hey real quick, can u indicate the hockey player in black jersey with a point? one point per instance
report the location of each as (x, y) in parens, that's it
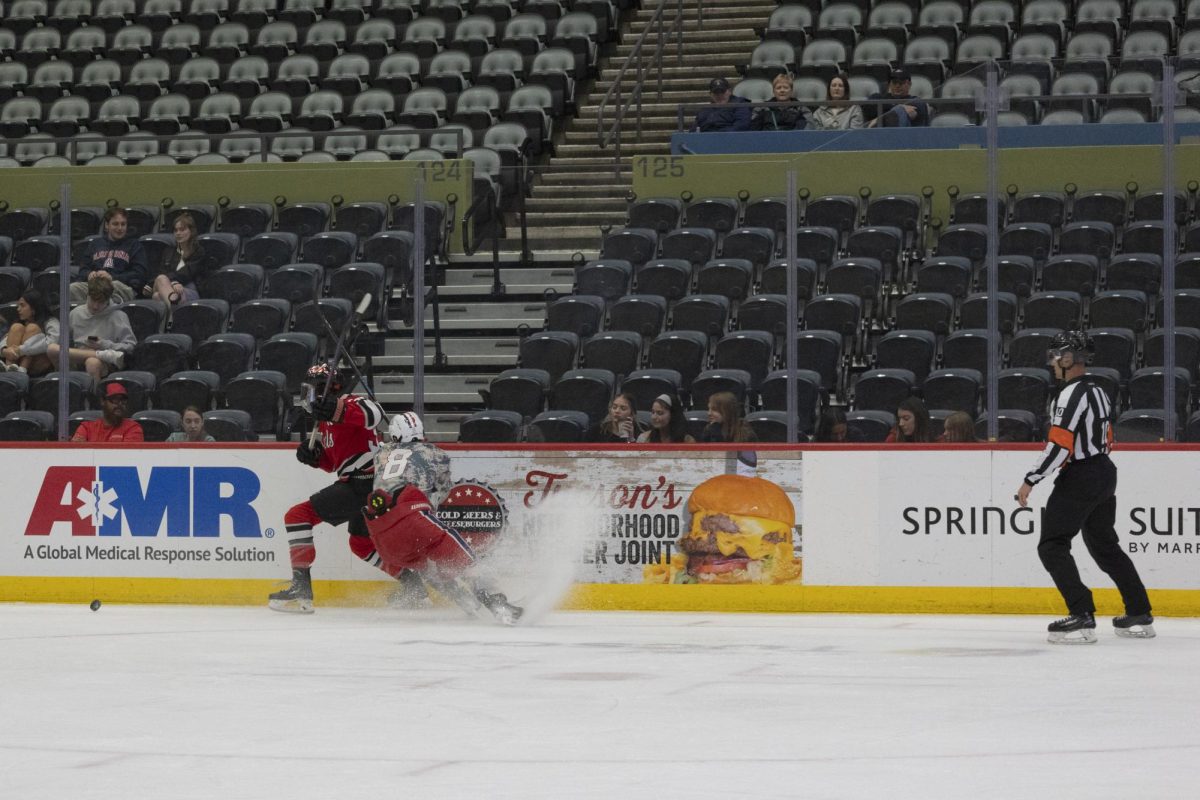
(1084, 496)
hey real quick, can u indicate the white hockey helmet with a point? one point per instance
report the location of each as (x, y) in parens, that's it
(407, 427)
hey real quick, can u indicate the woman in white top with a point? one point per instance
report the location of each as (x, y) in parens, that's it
(24, 347)
(838, 114)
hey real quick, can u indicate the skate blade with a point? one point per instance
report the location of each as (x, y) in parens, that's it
(291, 606)
(1136, 632)
(508, 617)
(1084, 636)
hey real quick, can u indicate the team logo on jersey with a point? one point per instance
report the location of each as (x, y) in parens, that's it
(475, 509)
(173, 501)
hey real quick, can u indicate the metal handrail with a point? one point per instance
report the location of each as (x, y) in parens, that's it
(614, 95)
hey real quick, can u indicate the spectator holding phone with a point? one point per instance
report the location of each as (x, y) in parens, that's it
(621, 424)
(100, 335)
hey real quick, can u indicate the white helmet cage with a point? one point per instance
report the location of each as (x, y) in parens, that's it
(407, 427)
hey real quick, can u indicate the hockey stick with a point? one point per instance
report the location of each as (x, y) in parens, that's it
(344, 351)
(339, 348)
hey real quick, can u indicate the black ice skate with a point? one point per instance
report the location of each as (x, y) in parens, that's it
(410, 591)
(1134, 626)
(473, 599)
(1075, 629)
(504, 612)
(297, 598)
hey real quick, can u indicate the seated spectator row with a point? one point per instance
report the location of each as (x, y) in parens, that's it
(587, 392)
(289, 225)
(223, 424)
(252, 401)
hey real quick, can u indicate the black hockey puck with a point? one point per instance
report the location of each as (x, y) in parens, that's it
(95, 605)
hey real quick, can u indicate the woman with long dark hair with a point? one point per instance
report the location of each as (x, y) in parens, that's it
(667, 422)
(181, 267)
(24, 347)
(912, 422)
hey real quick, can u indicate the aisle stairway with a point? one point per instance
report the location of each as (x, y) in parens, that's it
(580, 189)
(576, 191)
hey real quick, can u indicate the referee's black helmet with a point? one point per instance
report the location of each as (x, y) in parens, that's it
(1075, 342)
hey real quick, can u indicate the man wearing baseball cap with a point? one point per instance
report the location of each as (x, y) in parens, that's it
(113, 426)
(727, 112)
(902, 108)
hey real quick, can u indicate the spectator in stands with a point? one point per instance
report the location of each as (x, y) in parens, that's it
(24, 348)
(621, 424)
(193, 428)
(727, 113)
(113, 426)
(912, 422)
(959, 428)
(181, 267)
(893, 113)
(794, 117)
(725, 423)
(117, 256)
(832, 428)
(100, 335)
(667, 422)
(838, 113)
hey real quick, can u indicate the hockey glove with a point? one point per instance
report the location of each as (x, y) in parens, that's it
(326, 409)
(309, 455)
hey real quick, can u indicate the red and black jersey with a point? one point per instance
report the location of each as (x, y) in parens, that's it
(350, 442)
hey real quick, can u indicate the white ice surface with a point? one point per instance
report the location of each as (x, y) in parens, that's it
(222, 703)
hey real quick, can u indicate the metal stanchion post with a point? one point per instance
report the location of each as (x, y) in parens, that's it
(64, 309)
(418, 295)
(793, 312)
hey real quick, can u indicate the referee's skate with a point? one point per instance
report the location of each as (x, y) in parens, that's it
(1075, 629)
(1134, 626)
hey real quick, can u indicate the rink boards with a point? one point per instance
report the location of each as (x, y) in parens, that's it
(897, 529)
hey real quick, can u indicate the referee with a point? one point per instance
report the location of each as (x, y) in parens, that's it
(1084, 497)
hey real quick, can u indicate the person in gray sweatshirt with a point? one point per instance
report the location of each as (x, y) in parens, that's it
(23, 348)
(100, 333)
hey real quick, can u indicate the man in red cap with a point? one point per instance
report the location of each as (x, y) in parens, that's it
(113, 426)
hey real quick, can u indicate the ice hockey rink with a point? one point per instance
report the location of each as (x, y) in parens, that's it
(223, 703)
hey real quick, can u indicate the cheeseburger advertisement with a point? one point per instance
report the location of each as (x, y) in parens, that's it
(739, 531)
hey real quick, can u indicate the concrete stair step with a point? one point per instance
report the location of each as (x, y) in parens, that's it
(732, 45)
(628, 149)
(479, 316)
(682, 92)
(655, 131)
(612, 203)
(575, 235)
(727, 31)
(675, 77)
(569, 179)
(711, 15)
(575, 218)
(563, 247)
(499, 352)
(587, 114)
(477, 281)
(735, 15)
(558, 193)
(440, 388)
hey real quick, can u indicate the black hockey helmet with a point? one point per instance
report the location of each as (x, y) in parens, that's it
(1075, 342)
(319, 373)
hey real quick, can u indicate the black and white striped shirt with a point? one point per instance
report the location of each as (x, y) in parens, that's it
(1080, 427)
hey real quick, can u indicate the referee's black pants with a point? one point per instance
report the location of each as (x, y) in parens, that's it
(1084, 497)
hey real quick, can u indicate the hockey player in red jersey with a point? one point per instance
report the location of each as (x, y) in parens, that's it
(411, 478)
(345, 446)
